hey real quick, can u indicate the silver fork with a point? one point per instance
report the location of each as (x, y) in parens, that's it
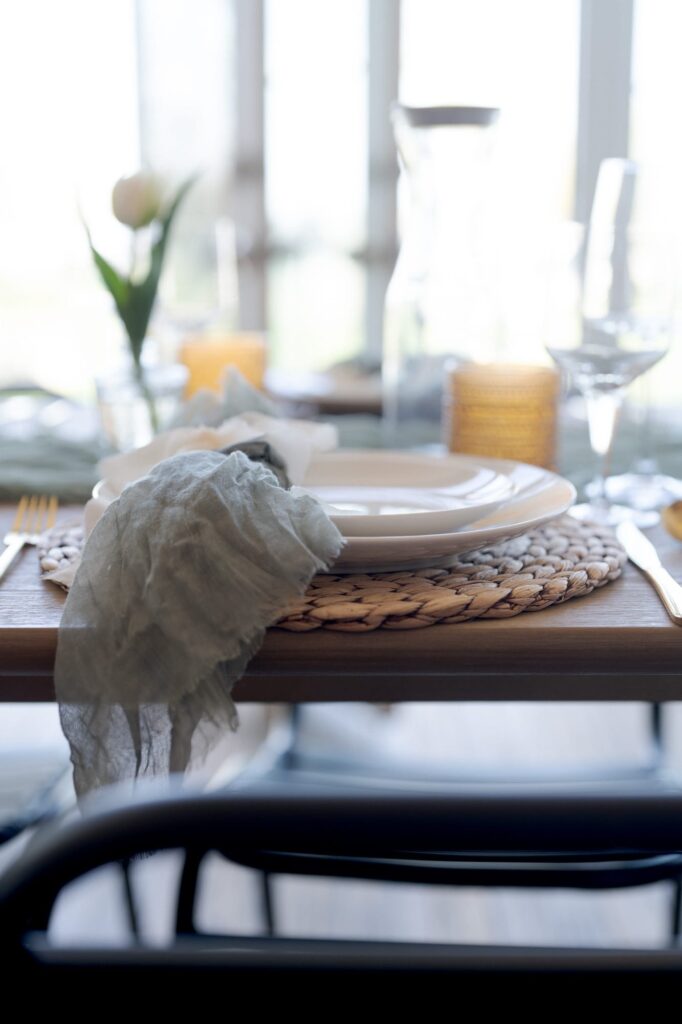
(34, 516)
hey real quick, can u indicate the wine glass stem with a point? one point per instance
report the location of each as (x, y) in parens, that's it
(602, 411)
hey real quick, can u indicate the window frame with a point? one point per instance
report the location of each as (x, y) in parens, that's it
(604, 87)
(604, 83)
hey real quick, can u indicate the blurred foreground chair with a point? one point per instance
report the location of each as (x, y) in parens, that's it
(285, 767)
(355, 826)
(33, 789)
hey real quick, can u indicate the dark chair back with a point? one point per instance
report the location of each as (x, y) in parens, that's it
(353, 824)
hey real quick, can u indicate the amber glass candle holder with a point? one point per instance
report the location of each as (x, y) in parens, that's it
(503, 411)
(207, 357)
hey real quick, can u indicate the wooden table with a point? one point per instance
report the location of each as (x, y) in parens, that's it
(616, 644)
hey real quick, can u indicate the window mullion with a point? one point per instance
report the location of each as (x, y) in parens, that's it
(604, 99)
(384, 47)
(249, 177)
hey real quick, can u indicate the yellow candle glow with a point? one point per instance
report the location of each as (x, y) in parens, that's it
(208, 355)
(503, 411)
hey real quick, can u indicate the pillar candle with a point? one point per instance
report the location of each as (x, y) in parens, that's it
(208, 355)
(504, 411)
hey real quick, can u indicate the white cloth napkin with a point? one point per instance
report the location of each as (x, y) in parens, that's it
(179, 580)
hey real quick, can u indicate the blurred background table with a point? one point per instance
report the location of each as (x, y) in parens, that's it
(339, 391)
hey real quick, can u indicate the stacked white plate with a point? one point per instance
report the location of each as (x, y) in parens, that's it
(405, 510)
(402, 510)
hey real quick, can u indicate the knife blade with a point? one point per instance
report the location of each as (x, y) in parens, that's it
(644, 555)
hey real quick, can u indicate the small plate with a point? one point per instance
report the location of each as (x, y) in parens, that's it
(383, 494)
(539, 496)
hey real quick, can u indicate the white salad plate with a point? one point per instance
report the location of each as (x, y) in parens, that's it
(387, 494)
(539, 496)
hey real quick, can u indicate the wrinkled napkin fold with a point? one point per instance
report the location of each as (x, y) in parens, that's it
(296, 441)
(179, 580)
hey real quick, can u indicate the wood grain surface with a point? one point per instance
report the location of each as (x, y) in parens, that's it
(615, 644)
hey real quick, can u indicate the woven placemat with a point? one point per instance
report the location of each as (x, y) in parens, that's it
(546, 566)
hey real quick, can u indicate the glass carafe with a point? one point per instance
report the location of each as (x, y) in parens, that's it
(439, 303)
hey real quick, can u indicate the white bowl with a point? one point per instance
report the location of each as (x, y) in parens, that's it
(385, 494)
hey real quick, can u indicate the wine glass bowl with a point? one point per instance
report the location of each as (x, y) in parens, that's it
(627, 310)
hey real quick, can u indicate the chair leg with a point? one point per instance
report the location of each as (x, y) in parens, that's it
(676, 915)
(187, 893)
(268, 903)
(131, 908)
(656, 717)
(295, 722)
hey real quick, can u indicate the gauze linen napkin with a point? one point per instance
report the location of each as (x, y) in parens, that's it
(295, 440)
(208, 409)
(47, 464)
(179, 580)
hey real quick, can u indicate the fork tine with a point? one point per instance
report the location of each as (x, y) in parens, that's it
(27, 525)
(51, 512)
(41, 514)
(21, 509)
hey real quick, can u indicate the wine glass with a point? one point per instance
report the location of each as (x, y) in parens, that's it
(627, 310)
(644, 486)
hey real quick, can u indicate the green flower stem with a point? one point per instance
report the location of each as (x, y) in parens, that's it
(134, 296)
(141, 379)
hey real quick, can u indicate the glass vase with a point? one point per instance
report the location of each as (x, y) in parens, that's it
(134, 407)
(438, 304)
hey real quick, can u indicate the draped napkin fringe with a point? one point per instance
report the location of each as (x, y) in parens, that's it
(178, 583)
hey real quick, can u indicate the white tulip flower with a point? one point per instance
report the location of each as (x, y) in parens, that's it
(137, 200)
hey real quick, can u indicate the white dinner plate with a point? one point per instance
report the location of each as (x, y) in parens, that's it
(539, 496)
(386, 494)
